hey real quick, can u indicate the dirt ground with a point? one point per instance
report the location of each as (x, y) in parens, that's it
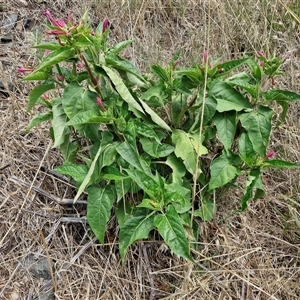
(47, 250)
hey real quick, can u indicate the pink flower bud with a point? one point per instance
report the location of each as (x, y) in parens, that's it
(24, 70)
(58, 23)
(47, 52)
(262, 64)
(60, 78)
(260, 53)
(106, 23)
(99, 101)
(205, 56)
(55, 32)
(45, 97)
(270, 154)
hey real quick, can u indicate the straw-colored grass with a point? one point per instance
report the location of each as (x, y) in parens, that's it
(251, 255)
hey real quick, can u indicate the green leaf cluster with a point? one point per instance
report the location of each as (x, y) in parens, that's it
(155, 150)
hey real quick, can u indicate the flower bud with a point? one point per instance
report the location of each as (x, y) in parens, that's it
(270, 154)
(24, 70)
(99, 101)
(260, 53)
(205, 56)
(106, 23)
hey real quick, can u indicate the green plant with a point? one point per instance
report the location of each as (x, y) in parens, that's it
(155, 149)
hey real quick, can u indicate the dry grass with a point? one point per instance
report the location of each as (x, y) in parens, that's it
(252, 255)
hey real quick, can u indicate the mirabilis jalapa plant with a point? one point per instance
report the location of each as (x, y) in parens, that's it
(156, 149)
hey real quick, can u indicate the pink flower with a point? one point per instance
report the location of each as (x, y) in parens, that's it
(60, 78)
(205, 56)
(270, 154)
(47, 52)
(45, 97)
(58, 23)
(24, 70)
(99, 101)
(55, 32)
(106, 23)
(260, 53)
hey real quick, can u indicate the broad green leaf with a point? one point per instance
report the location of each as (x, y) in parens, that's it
(55, 57)
(258, 125)
(243, 80)
(231, 65)
(147, 183)
(184, 149)
(253, 176)
(38, 119)
(123, 187)
(160, 72)
(108, 155)
(150, 204)
(198, 147)
(155, 96)
(228, 98)
(280, 95)
(76, 171)
(48, 46)
(99, 205)
(60, 129)
(68, 149)
(179, 196)
(112, 173)
(206, 211)
(120, 46)
(226, 127)
(145, 130)
(247, 153)
(76, 99)
(134, 229)
(88, 117)
(156, 149)
(178, 168)
(170, 227)
(278, 164)
(129, 155)
(122, 89)
(210, 108)
(179, 104)
(89, 175)
(155, 117)
(124, 65)
(285, 107)
(37, 76)
(37, 92)
(222, 172)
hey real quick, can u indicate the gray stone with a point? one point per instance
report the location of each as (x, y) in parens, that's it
(10, 22)
(40, 269)
(6, 38)
(46, 296)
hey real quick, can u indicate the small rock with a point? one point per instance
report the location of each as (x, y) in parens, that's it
(10, 22)
(19, 26)
(46, 296)
(22, 2)
(40, 269)
(6, 38)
